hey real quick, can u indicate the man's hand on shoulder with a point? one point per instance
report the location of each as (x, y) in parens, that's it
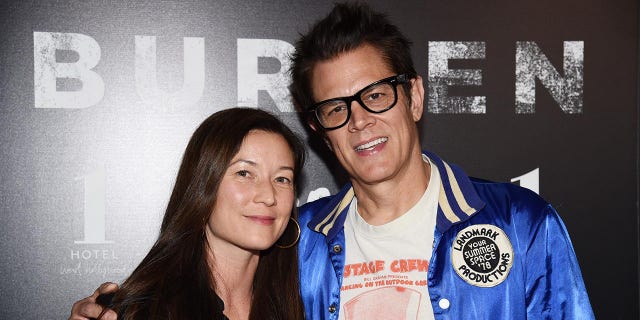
(88, 308)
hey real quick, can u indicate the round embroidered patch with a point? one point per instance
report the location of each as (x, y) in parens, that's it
(482, 255)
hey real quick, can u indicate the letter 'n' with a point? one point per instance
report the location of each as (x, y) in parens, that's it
(532, 64)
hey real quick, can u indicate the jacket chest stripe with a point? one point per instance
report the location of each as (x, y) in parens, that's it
(457, 193)
(328, 222)
(443, 202)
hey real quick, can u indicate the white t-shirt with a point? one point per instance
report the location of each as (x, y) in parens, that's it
(385, 274)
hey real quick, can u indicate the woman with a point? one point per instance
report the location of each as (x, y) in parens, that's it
(221, 252)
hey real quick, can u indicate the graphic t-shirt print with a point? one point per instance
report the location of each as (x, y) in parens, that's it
(387, 290)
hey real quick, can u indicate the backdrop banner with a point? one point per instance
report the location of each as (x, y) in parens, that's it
(99, 98)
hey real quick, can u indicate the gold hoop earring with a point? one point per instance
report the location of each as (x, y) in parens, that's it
(297, 236)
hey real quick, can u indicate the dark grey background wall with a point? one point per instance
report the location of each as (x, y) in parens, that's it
(97, 101)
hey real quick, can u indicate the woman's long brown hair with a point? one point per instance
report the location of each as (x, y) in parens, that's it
(174, 281)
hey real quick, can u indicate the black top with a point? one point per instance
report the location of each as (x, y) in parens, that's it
(106, 300)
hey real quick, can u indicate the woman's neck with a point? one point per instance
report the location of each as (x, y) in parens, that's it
(233, 269)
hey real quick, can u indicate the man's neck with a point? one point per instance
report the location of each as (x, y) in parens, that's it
(385, 201)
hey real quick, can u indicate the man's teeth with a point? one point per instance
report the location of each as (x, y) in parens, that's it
(371, 144)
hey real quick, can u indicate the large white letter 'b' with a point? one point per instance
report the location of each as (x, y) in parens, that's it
(46, 70)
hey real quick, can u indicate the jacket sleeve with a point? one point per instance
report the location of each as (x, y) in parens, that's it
(554, 285)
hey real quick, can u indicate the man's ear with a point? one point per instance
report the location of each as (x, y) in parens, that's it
(312, 125)
(417, 98)
(327, 142)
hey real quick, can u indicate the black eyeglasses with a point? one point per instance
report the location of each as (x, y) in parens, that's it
(377, 97)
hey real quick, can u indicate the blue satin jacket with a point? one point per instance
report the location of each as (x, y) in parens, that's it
(500, 252)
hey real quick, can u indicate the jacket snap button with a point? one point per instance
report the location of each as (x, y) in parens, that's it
(444, 303)
(337, 248)
(332, 308)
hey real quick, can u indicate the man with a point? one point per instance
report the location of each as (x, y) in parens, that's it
(411, 236)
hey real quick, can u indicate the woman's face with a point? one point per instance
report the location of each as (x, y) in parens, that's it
(255, 196)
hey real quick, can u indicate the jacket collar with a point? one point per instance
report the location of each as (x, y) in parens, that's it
(458, 201)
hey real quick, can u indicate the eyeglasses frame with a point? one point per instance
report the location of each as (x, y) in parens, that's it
(393, 80)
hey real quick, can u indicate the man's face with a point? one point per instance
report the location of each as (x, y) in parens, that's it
(373, 148)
